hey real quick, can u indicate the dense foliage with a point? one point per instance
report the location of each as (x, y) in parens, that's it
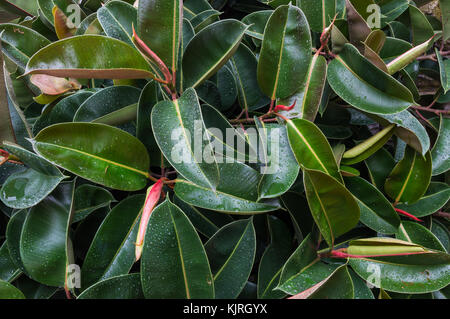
(224, 149)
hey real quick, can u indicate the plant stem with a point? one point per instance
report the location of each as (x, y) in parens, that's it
(428, 109)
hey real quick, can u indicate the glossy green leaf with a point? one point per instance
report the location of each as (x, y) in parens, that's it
(418, 234)
(174, 262)
(8, 270)
(436, 196)
(27, 188)
(233, 194)
(442, 233)
(361, 289)
(409, 129)
(228, 141)
(303, 269)
(444, 68)
(112, 252)
(419, 273)
(117, 19)
(108, 101)
(318, 13)
(150, 96)
(244, 65)
(8, 291)
(45, 246)
(130, 288)
(440, 152)
(15, 128)
(392, 9)
(32, 160)
(364, 86)
(333, 207)
(63, 111)
(89, 198)
(273, 259)
(159, 26)
(206, 222)
(90, 56)
(285, 53)
(257, 22)
(193, 7)
(311, 148)
(231, 252)
(20, 7)
(177, 126)
(421, 27)
(205, 18)
(410, 178)
(338, 285)
(208, 51)
(307, 99)
(445, 8)
(281, 169)
(96, 152)
(358, 28)
(20, 48)
(376, 211)
(13, 233)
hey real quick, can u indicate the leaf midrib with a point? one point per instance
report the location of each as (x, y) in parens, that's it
(98, 158)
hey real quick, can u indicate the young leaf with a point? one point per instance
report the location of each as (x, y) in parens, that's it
(363, 150)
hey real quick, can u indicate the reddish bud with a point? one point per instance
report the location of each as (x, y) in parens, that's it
(153, 195)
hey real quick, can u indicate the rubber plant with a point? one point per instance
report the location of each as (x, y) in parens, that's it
(224, 149)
